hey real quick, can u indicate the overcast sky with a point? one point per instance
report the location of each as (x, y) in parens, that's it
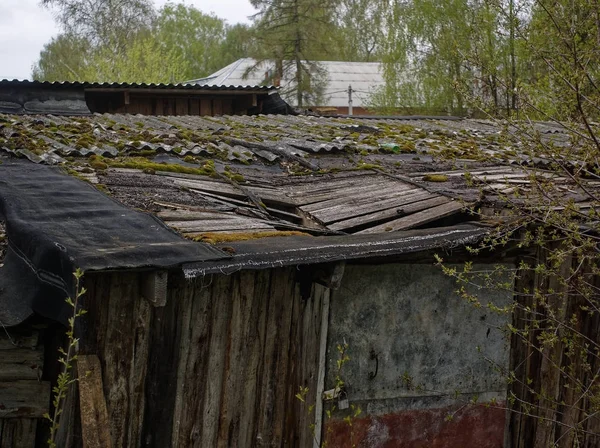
(25, 27)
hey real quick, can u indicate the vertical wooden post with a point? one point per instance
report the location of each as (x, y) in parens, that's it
(95, 429)
(321, 371)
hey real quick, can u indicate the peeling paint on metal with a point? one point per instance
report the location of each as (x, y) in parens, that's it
(473, 426)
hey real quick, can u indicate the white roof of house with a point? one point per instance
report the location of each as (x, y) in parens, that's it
(364, 77)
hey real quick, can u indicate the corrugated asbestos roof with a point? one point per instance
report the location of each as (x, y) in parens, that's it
(124, 85)
(365, 77)
(225, 179)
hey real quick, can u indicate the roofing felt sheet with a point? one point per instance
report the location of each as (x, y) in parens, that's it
(56, 223)
(302, 250)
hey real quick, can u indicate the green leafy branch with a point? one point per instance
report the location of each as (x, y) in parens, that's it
(66, 359)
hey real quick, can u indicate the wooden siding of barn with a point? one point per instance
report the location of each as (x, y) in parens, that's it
(163, 104)
(24, 397)
(549, 409)
(218, 365)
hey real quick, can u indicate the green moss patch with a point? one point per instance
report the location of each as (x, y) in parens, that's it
(368, 166)
(435, 178)
(216, 238)
(98, 165)
(140, 163)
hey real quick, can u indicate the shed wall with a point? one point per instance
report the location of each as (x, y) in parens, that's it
(554, 383)
(415, 360)
(219, 365)
(24, 396)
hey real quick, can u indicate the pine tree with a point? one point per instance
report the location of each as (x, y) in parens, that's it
(292, 33)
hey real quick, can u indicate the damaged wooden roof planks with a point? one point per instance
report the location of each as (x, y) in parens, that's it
(282, 206)
(222, 180)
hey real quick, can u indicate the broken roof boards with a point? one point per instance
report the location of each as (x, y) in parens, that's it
(232, 178)
(251, 174)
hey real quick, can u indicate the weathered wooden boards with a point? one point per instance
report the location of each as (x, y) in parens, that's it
(227, 190)
(18, 432)
(189, 222)
(563, 414)
(95, 430)
(349, 202)
(503, 179)
(420, 218)
(219, 365)
(121, 323)
(249, 343)
(24, 398)
(361, 203)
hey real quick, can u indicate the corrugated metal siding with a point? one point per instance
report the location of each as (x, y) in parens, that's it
(365, 77)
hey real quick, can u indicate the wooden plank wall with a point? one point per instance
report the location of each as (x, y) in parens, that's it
(548, 403)
(24, 398)
(184, 105)
(219, 365)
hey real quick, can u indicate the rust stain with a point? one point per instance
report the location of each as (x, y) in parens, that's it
(473, 426)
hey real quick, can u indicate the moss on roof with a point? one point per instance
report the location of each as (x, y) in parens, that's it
(217, 238)
(142, 136)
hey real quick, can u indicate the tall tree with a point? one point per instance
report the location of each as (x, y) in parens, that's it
(290, 32)
(240, 42)
(562, 42)
(110, 23)
(359, 34)
(194, 37)
(190, 44)
(64, 58)
(442, 54)
(423, 52)
(144, 60)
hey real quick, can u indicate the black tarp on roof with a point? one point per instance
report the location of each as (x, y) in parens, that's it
(56, 223)
(275, 252)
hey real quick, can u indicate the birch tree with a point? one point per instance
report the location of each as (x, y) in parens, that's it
(108, 23)
(553, 219)
(189, 43)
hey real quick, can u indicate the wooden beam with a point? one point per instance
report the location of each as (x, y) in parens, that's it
(126, 97)
(95, 428)
(154, 287)
(318, 433)
(419, 218)
(21, 364)
(24, 399)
